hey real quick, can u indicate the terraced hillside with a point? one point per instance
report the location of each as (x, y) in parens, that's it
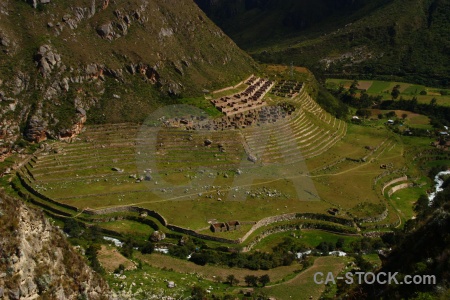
(308, 133)
(302, 162)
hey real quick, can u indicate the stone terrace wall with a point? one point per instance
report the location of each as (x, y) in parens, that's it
(111, 210)
(268, 221)
(202, 236)
(41, 196)
(374, 219)
(232, 87)
(404, 178)
(399, 187)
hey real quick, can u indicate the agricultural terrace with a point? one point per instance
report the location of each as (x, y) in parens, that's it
(305, 162)
(423, 93)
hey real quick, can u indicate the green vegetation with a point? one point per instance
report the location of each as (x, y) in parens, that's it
(192, 185)
(387, 40)
(383, 89)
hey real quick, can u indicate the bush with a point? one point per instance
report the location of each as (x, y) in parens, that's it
(148, 248)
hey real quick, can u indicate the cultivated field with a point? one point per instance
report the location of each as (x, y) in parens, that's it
(308, 162)
(424, 94)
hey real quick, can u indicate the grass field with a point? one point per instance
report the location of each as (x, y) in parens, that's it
(213, 272)
(287, 282)
(404, 200)
(202, 183)
(407, 90)
(309, 162)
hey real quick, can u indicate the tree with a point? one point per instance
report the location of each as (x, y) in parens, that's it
(404, 116)
(231, 279)
(127, 248)
(365, 113)
(353, 87)
(119, 269)
(251, 280)
(433, 101)
(148, 248)
(340, 243)
(198, 293)
(91, 254)
(264, 279)
(391, 114)
(72, 228)
(395, 92)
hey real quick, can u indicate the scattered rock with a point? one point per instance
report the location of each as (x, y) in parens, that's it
(47, 59)
(105, 30)
(252, 158)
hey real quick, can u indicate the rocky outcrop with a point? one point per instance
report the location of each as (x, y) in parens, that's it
(47, 59)
(74, 55)
(36, 261)
(36, 129)
(36, 2)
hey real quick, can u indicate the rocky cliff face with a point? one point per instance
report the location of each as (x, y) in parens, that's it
(115, 60)
(36, 260)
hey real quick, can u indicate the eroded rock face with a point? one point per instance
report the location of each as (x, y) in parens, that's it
(36, 129)
(73, 68)
(36, 259)
(36, 2)
(47, 59)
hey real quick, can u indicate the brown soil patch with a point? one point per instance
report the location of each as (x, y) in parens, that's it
(364, 85)
(110, 259)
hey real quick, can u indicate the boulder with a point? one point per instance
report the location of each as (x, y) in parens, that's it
(105, 30)
(47, 59)
(252, 158)
(157, 236)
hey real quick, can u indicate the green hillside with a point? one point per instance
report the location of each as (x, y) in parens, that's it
(400, 39)
(117, 61)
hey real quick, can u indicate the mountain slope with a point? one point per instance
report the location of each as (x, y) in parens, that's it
(36, 260)
(403, 38)
(115, 60)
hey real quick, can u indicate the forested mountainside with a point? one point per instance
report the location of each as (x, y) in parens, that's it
(385, 39)
(62, 62)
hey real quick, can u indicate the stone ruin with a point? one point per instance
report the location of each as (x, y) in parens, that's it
(287, 88)
(225, 226)
(256, 117)
(250, 99)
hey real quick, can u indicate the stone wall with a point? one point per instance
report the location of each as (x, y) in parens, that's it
(399, 187)
(200, 235)
(232, 87)
(111, 210)
(268, 221)
(30, 189)
(373, 219)
(404, 178)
